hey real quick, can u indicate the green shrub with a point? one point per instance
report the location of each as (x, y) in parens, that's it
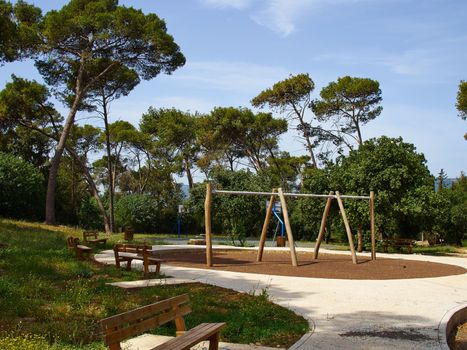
(137, 211)
(237, 216)
(21, 187)
(89, 216)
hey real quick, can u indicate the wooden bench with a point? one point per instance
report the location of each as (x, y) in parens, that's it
(129, 252)
(93, 238)
(398, 243)
(128, 324)
(78, 249)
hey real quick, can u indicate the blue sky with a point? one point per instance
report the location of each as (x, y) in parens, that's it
(416, 49)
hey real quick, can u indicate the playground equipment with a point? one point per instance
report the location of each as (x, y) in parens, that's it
(276, 210)
(179, 218)
(269, 212)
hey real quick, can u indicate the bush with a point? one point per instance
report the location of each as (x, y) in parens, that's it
(137, 211)
(452, 224)
(89, 216)
(21, 187)
(401, 181)
(237, 216)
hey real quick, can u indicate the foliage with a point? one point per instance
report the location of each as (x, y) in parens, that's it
(306, 213)
(287, 170)
(88, 215)
(235, 215)
(175, 132)
(462, 101)
(18, 29)
(137, 211)
(32, 146)
(452, 223)
(28, 119)
(83, 42)
(348, 103)
(229, 134)
(71, 191)
(21, 187)
(42, 279)
(395, 172)
(292, 96)
(26, 102)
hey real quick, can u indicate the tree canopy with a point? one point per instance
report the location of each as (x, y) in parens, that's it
(18, 30)
(83, 42)
(292, 96)
(349, 103)
(394, 170)
(462, 101)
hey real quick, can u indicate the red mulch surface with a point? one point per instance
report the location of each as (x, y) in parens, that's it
(326, 266)
(460, 338)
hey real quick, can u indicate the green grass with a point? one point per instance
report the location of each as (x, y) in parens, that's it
(49, 300)
(444, 249)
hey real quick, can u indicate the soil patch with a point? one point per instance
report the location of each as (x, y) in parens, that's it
(326, 266)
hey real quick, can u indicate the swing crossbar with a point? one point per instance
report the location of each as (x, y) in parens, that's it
(250, 193)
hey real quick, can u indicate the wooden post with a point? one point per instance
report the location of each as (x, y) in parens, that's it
(264, 232)
(372, 225)
(347, 227)
(324, 220)
(207, 224)
(285, 214)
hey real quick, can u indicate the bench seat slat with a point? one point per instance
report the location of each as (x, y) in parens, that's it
(134, 322)
(203, 332)
(192, 337)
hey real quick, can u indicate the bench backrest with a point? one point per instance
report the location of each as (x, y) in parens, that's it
(89, 234)
(72, 242)
(132, 248)
(131, 323)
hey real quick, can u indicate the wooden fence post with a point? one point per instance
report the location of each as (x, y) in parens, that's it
(207, 224)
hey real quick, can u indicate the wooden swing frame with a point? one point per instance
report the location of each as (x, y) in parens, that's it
(279, 193)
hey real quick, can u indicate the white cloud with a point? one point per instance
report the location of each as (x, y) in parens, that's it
(232, 76)
(417, 62)
(281, 16)
(236, 4)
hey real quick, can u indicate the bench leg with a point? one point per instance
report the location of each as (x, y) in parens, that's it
(158, 268)
(128, 264)
(214, 342)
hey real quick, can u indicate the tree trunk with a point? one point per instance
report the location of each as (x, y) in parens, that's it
(283, 179)
(308, 142)
(93, 186)
(109, 167)
(360, 239)
(188, 174)
(53, 172)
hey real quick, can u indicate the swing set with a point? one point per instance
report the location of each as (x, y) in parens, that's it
(269, 212)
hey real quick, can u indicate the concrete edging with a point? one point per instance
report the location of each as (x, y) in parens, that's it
(450, 320)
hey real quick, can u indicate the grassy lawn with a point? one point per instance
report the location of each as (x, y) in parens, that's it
(48, 300)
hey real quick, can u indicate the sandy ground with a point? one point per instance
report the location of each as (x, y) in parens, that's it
(326, 266)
